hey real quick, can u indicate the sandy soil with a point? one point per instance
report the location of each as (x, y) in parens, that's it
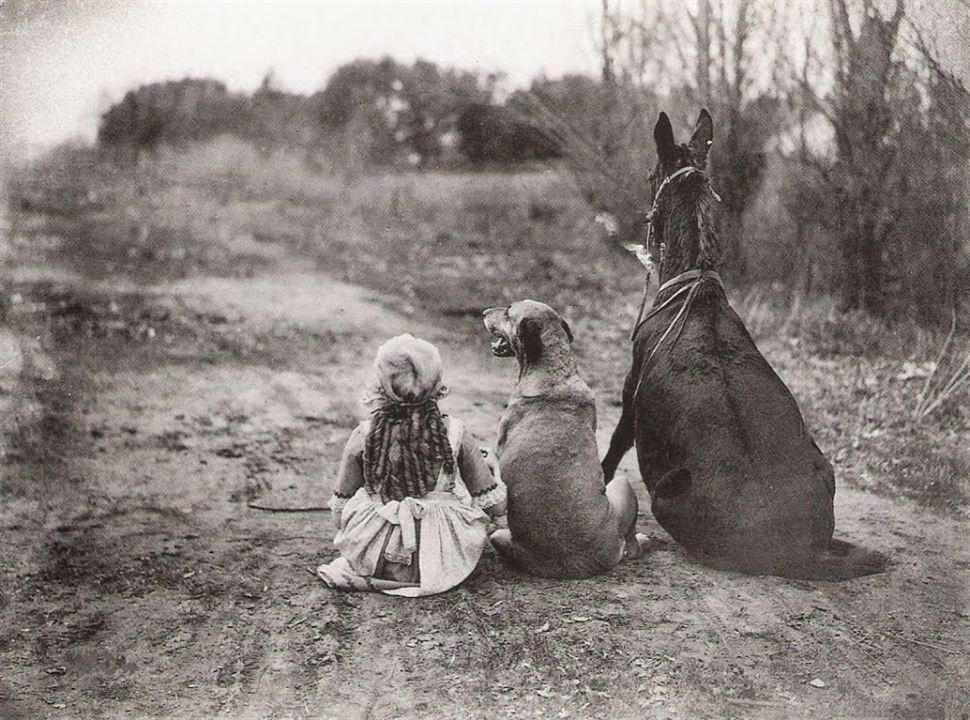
(137, 582)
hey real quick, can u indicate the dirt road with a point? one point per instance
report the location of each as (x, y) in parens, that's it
(136, 582)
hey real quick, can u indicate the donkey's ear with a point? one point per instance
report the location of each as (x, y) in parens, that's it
(663, 136)
(530, 340)
(701, 140)
(569, 330)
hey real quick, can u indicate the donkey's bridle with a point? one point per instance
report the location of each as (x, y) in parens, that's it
(666, 181)
(651, 218)
(652, 215)
(693, 279)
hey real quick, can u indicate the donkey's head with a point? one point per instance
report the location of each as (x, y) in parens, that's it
(683, 234)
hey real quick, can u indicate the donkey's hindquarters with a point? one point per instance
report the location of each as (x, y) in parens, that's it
(759, 532)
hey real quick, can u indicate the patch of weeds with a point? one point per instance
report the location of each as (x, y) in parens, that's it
(114, 688)
(52, 436)
(325, 650)
(323, 638)
(52, 637)
(243, 669)
(173, 440)
(81, 560)
(928, 470)
(94, 331)
(233, 450)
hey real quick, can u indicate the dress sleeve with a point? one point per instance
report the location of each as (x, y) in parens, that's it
(351, 476)
(484, 483)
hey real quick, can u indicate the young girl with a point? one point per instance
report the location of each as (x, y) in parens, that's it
(414, 493)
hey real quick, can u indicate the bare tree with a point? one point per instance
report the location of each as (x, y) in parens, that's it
(881, 199)
(696, 57)
(898, 174)
(712, 66)
(862, 114)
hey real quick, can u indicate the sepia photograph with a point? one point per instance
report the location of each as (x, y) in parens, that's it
(419, 360)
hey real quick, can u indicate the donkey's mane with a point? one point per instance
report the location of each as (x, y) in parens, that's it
(686, 226)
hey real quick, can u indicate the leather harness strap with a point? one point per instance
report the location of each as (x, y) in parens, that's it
(694, 280)
(683, 277)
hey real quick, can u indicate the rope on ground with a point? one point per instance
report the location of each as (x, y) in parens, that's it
(273, 508)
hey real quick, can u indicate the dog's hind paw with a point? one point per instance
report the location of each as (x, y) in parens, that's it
(635, 547)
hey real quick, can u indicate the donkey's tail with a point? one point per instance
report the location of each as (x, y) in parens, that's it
(840, 561)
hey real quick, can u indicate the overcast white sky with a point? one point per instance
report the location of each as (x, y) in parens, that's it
(63, 61)
(66, 59)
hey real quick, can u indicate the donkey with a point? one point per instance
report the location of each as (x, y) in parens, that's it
(733, 473)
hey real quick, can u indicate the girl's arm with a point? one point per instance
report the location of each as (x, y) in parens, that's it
(351, 476)
(487, 490)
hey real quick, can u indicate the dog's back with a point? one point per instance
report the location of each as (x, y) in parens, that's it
(563, 521)
(558, 509)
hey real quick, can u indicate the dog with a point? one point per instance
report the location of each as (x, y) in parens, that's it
(563, 521)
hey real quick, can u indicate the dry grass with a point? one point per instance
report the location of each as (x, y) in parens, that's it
(946, 380)
(449, 244)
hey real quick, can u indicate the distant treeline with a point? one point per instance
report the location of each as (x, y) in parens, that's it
(843, 173)
(377, 111)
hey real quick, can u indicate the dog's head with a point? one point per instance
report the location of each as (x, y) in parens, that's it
(524, 329)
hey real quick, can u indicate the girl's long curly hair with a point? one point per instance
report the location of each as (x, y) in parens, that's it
(407, 444)
(405, 450)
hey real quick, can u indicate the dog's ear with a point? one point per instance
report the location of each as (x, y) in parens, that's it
(569, 330)
(530, 340)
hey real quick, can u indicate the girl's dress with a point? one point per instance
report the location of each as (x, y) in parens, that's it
(415, 546)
